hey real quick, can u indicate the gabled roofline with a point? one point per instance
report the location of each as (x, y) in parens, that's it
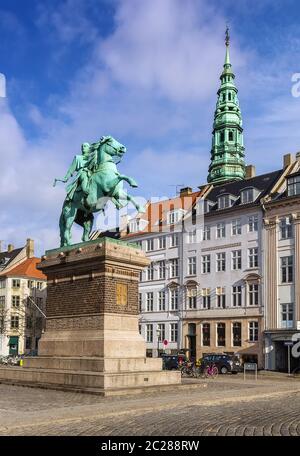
(280, 181)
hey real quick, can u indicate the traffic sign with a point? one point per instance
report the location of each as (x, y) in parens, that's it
(165, 342)
(288, 343)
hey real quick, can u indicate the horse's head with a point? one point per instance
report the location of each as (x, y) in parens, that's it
(110, 146)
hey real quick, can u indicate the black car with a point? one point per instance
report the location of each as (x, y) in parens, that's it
(224, 363)
(171, 362)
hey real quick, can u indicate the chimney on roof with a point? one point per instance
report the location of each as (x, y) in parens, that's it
(10, 247)
(288, 159)
(29, 248)
(124, 219)
(250, 171)
(186, 191)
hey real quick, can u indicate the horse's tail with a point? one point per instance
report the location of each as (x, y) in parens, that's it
(82, 217)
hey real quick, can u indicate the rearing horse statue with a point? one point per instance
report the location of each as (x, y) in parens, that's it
(96, 182)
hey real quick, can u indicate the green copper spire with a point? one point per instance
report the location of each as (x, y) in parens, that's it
(227, 154)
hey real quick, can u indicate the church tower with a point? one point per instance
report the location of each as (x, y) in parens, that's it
(227, 154)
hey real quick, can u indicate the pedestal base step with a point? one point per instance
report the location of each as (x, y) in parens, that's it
(109, 391)
(94, 364)
(88, 379)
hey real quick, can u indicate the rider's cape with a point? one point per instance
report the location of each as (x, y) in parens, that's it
(80, 165)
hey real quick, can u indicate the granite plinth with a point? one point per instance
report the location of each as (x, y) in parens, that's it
(91, 338)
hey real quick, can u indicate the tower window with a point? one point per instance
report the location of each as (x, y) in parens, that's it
(230, 136)
(229, 96)
(222, 136)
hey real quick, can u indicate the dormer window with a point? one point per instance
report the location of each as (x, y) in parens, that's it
(137, 225)
(225, 201)
(293, 186)
(208, 206)
(249, 195)
(3, 262)
(134, 226)
(175, 216)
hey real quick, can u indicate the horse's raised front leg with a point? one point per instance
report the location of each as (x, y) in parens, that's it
(123, 196)
(130, 180)
(114, 182)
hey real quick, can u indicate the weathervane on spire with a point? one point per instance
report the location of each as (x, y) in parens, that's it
(227, 37)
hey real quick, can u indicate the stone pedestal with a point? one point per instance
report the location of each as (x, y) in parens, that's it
(92, 340)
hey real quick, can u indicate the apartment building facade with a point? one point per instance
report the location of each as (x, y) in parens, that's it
(162, 290)
(213, 285)
(282, 275)
(22, 301)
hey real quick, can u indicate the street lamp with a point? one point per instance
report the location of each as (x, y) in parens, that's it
(158, 336)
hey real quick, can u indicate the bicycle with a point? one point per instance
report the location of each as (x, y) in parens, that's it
(198, 371)
(211, 371)
(187, 368)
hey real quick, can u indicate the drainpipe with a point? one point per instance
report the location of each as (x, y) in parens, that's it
(181, 290)
(264, 307)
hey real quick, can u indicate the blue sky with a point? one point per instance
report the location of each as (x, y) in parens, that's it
(146, 72)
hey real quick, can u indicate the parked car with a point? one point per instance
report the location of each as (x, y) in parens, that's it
(171, 362)
(224, 363)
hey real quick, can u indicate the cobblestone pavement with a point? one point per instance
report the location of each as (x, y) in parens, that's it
(226, 406)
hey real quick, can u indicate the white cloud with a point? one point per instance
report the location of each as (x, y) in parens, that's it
(172, 47)
(152, 84)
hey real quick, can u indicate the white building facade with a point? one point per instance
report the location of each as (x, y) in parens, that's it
(22, 301)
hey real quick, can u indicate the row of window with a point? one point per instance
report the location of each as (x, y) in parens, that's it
(16, 283)
(16, 300)
(236, 332)
(15, 322)
(236, 260)
(286, 232)
(236, 229)
(205, 298)
(161, 332)
(220, 229)
(248, 195)
(159, 271)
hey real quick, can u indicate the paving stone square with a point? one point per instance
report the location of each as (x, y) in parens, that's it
(225, 406)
